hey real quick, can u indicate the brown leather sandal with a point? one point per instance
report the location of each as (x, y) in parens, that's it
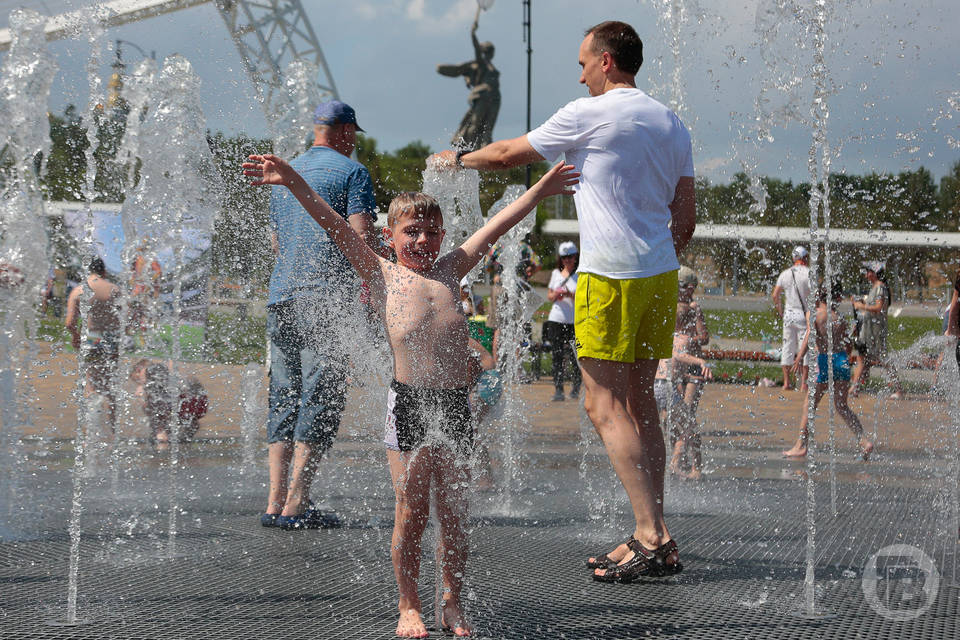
(645, 563)
(602, 561)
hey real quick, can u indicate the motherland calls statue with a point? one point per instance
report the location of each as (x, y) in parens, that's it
(483, 80)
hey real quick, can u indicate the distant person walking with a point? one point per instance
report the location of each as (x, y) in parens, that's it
(637, 209)
(825, 321)
(558, 330)
(101, 350)
(872, 338)
(790, 301)
(313, 312)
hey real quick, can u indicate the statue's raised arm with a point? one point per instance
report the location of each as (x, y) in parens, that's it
(483, 80)
(478, 54)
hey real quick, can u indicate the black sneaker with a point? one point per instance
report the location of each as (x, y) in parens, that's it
(558, 396)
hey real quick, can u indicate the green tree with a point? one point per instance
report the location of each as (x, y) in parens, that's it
(66, 166)
(948, 196)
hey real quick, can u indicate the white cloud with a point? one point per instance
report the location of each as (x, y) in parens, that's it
(711, 164)
(429, 19)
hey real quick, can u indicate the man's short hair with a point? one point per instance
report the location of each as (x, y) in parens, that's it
(414, 204)
(622, 43)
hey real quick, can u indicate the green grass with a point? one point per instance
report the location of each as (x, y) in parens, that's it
(231, 340)
(227, 339)
(759, 326)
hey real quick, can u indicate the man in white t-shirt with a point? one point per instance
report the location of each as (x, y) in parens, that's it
(790, 301)
(637, 211)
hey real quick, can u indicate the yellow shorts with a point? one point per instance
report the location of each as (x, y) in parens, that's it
(626, 320)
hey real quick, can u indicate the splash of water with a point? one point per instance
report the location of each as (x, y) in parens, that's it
(292, 123)
(25, 81)
(515, 307)
(458, 194)
(819, 168)
(136, 93)
(172, 211)
(91, 29)
(253, 413)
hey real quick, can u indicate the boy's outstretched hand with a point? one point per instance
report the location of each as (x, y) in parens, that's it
(558, 181)
(268, 169)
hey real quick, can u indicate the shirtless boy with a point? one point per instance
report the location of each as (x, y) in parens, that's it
(429, 432)
(841, 371)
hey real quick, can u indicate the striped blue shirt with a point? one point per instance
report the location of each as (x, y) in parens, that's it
(308, 262)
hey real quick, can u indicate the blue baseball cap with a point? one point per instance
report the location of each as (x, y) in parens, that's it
(335, 112)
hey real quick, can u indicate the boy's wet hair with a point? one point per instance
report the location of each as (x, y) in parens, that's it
(413, 204)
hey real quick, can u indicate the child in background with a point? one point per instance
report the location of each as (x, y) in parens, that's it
(693, 324)
(669, 386)
(152, 379)
(429, 434)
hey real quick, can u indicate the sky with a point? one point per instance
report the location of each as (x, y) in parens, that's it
(741, 74)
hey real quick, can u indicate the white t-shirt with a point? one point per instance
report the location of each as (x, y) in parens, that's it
(562, 310)
(792, 293)
(631, 151)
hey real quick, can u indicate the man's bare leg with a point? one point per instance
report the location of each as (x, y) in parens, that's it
(619, 400)
(786, 377)
(411, 475)
(306, 458)
(278, 456)
(451, 487)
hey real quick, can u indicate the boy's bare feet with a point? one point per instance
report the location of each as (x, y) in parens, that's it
(452, 620)
(411, 624)
(694, 474)
(799, 450)
(867, 447)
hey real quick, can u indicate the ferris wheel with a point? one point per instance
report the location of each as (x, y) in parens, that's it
(269, 35)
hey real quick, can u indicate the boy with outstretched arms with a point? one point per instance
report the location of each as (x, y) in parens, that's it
(429, 431)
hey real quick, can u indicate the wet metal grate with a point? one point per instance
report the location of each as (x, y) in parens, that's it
(526, 580)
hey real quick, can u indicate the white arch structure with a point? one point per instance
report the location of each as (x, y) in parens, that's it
(795, 235)
(269, 34)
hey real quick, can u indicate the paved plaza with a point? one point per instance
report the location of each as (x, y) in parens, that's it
(741, 530)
